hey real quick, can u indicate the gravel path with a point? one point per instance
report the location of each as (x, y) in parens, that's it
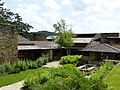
(19, 85)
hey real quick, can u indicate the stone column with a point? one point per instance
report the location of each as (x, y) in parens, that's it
(8, 42)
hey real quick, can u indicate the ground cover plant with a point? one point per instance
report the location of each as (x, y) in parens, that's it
(11, 67)
(67, 77)
(104, 69)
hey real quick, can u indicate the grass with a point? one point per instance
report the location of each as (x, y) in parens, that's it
(12, 78)
(113, 79)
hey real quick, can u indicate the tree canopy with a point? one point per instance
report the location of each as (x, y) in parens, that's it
(64, 38)
(8, 17)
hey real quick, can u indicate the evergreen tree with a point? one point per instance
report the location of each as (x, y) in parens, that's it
(8, 17)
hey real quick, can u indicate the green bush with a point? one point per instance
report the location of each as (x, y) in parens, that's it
(45, 59)
(42, 61)
(10, 67)
(98, 76)
(2, 70)
(32, 64)
(67, 77)
(104, 69)
(21, 65)
(72, 59)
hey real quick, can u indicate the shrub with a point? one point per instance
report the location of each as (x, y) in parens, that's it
(67, 77)
(42, 61)
(2, 70)
(45, 59)
(72, 59)
(32, 64)
(10, 67)
(21, 65)
(104, 69)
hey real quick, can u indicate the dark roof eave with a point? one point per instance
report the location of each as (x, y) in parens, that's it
(41, 49)
(99, 51)
(26, 44)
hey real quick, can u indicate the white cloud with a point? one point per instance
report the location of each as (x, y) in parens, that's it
(85, 16)
(30, 14)
(65, 2)
(51, 4)
(102, 5)
(17, 0)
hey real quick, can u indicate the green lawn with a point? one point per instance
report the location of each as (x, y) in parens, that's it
(12, 78)
(113, 80)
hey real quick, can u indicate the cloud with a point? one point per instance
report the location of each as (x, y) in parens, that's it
(51, 4)
(85, 16)
(30, 14)
(102, 5)
(66, 2)
(16, 0)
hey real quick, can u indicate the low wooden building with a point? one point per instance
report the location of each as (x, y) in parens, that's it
(102, 46)
(93, 47)
(34, 49)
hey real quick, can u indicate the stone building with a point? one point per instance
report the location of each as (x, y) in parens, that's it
(8, 42)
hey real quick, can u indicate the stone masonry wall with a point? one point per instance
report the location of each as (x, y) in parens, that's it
(8, 42)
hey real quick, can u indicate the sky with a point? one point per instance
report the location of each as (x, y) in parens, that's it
(84, 16)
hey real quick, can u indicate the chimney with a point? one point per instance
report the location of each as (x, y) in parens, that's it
(39, 37)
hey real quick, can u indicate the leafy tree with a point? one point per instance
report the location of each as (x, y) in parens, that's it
(8, 17)
(64, 38)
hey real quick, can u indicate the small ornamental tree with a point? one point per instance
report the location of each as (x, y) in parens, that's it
(64, 38)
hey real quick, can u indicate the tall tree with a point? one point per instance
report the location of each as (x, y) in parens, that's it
(64, 38)
(8, 17)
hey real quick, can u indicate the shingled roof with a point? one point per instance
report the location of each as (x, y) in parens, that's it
(45, 44)
(25, 44)
(81, 40)
(102, 48)
(24, 41)
(96, 46)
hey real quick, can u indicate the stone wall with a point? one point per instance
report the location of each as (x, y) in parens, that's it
(8, 42)
(39, 37)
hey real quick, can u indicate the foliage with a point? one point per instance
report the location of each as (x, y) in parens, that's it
(104, 69)
(72, 59)
(32, 64)
(97, 84)
(40, 62)
(21, 64)
(67, 77)
(113, 79)
(64, 38)
(13, 78)
(8, 17)
(97, 77)
(10, 67)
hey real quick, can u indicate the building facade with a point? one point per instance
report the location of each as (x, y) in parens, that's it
(8, 42)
